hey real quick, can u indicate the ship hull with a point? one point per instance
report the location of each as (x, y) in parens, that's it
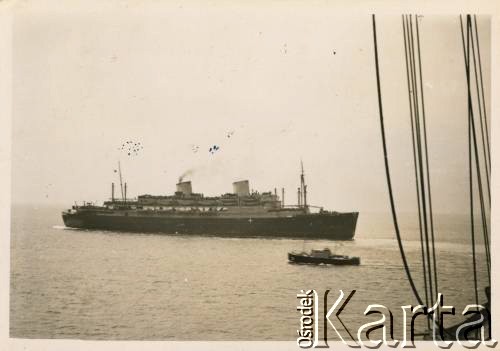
(335, 260)
(332, 226)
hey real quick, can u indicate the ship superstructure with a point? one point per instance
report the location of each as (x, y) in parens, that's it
(240, 213)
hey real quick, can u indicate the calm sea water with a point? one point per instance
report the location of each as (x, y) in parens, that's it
(104, 285)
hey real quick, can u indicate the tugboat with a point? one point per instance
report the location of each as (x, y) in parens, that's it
(324, 256)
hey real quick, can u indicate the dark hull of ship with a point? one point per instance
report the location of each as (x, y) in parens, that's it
(335, 260)
(337, 226)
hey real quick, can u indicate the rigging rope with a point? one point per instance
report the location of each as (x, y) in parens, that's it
(386, 160)
(413, 70)
(387, 171)
(480, 114)
(482, 93)
(471, 198)
(427, 166)
(410, 84)
(478, 171)
(485, 151)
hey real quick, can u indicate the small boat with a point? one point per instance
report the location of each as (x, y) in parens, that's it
(324, 256)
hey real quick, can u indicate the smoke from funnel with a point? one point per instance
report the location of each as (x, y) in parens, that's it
(185, 174)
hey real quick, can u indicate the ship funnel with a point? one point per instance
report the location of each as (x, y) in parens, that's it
(185, 188)
(241, 188)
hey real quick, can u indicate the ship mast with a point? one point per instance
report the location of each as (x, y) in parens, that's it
(283, 197)
(303, 186)
(120, 174)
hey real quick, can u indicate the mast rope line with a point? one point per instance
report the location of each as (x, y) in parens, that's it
(474, 142)
(388, 177)
(481, 196)
(471, 198)
(420, 158)
(417, 147)
(419, 133)
(387, 171)
(410, 84)
(480, 111)
(431, 217)
(482, 93)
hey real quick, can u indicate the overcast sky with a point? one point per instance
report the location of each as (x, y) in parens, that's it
(284, 84)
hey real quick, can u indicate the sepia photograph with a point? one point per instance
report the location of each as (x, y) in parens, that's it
(249, 172)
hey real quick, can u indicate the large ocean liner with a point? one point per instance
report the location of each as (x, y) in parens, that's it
(242, 213)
